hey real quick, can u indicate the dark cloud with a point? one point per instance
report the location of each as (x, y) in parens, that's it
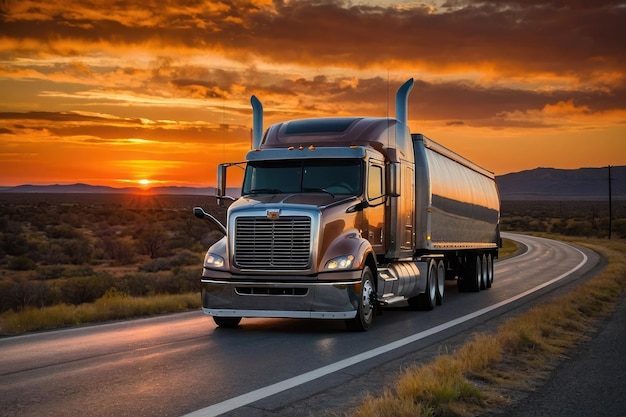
(68, 117)
(576, 46)
(513, 36)
(96, 129)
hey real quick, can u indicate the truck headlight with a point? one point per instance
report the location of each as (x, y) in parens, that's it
(212, 260)
(340, 262)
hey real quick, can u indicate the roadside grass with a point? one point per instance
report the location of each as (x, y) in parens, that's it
(112, 306)
(509, 247)
(495, 369)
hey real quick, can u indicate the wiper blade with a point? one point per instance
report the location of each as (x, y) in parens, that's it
(264, 191)
(314, 190)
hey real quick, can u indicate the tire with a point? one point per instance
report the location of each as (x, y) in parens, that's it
(227, 322)
(441, 281)
(489, 270)
(471, 276)
(367, 307)
(477, 274)
(483, 272)
(428, 299)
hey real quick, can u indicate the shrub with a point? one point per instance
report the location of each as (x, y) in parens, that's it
(78, 251)
(137, 285)
(119, 249)
(14, 244)
(153, 241)
(63, 231)
(182, 258)
(578, 228)
(21, 263)
(80, 290)
(156, 265)
(18, 295)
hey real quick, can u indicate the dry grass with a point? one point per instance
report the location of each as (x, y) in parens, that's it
(491, 370)
(112, 306)
(509, 247)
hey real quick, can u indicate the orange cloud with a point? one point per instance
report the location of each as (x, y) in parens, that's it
(170, 82)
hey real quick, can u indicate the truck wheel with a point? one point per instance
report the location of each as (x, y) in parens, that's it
(441, 281)
(365, 312)
(489, 272)
(427, 300)
(471, 276)
(483, 272)
(228, 322)
(476, 274)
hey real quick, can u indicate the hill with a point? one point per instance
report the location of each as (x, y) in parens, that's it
(100, 189)
(563, 184)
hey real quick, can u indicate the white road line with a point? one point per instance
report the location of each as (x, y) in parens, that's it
(261, 393)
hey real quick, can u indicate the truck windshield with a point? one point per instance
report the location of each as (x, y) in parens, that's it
(332, 176)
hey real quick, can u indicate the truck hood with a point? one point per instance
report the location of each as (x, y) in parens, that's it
(320, 200)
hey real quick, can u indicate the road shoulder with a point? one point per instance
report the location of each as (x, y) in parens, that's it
(591, 381)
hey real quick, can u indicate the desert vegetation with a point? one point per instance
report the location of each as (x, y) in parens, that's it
(567, 218)
(64, 254)
(71, 250)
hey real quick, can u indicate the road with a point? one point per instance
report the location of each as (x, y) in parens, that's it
(178, 364)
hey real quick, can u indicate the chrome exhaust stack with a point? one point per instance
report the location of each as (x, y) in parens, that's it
(257, 122)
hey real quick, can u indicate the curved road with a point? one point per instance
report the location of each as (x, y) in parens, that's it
(178, 364)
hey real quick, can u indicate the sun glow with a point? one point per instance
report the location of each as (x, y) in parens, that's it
(144, 184)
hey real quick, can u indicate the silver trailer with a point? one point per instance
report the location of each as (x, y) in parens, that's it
(341, 216)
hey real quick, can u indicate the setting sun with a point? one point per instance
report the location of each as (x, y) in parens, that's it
(144, 184)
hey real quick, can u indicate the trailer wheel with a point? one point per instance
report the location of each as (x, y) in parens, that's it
(483, 272)
(471, 275)
(228, 322)
(477, 274)
(441, 281)
(365, 312)
(489, 270)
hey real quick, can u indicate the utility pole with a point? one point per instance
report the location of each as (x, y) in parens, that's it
(610, 203)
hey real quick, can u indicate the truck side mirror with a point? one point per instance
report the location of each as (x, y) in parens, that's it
(393, 179)
(201, 214)
(220, 190)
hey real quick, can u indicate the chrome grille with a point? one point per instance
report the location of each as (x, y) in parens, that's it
(280, 244)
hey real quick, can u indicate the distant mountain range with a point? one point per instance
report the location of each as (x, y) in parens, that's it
(535, 184)
(101, 189)
(563, 184)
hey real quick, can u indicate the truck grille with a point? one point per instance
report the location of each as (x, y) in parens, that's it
(279, 244)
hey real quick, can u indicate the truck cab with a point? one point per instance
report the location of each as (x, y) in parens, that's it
(312, 215)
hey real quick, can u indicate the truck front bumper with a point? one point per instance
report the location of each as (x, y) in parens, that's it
(289, 298)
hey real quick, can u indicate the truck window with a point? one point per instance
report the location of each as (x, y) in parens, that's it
(273, 177)
(334, 176)
(375, 190)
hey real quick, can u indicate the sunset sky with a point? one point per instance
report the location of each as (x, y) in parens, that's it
(114, 92)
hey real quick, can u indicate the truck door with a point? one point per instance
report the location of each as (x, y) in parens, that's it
(375, 213)
(406, 207)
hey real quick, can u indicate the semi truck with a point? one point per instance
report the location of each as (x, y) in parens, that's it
(339, 217)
